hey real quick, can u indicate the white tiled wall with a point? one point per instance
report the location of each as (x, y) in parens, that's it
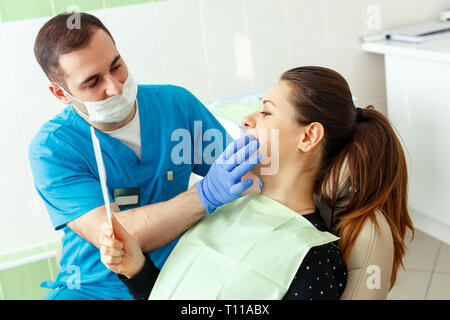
(212, 47)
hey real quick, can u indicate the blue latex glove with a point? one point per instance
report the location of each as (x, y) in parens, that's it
(222, 184)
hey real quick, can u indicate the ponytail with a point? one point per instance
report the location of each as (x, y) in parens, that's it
(375, 178)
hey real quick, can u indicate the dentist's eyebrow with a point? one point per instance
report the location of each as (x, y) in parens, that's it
(89, 79)
(265, 101)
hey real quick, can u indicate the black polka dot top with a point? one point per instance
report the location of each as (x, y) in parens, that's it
(322, 274)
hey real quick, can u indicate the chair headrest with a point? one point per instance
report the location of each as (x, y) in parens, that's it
(343, 193)
(370, 249)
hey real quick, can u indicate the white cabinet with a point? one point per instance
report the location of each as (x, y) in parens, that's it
(418, 98)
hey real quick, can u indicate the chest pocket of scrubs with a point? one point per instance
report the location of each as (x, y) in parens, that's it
(175, 181)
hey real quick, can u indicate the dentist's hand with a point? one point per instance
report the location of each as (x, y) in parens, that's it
(123, 254)
(256, 186)
(223, 182)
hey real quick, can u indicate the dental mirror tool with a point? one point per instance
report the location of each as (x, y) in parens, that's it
(102, 174)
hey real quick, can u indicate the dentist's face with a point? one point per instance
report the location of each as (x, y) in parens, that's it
(95, 72)
(275, 127)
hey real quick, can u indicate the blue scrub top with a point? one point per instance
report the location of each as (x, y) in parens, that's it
(66, 177)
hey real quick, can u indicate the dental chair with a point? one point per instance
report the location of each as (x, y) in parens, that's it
(370, 261)
(372, 256)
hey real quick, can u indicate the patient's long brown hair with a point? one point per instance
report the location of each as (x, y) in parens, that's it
(368, 149)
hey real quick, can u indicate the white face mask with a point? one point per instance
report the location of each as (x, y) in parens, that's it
(113, 109)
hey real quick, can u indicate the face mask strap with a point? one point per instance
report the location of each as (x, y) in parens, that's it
(73, 98)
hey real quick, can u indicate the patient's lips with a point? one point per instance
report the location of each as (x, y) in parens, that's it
(252, 132)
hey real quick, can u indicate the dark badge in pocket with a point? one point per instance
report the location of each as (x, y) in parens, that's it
(127, 196)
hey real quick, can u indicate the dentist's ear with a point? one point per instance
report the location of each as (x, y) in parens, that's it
(56, 90)
(311, 136)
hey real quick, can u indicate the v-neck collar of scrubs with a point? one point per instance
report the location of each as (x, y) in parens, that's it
(130, 133)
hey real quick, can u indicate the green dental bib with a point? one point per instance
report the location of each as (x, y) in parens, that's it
(248, 249)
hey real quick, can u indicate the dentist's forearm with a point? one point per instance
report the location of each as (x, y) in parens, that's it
(156, 225)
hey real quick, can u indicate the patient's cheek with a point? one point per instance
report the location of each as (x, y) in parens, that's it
(256, 170)
(265, 151)
(268, 145)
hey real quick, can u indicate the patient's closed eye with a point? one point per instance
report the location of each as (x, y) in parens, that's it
(264, 113)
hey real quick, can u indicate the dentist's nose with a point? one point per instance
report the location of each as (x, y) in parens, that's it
(113, 87)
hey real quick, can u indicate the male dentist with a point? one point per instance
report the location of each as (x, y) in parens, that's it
(135, 126)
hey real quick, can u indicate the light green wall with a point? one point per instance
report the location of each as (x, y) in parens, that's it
(22, 282)
(25, 253)
(12, 10)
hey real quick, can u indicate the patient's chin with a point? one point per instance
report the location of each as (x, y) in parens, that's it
(267, 167)
(257, 169)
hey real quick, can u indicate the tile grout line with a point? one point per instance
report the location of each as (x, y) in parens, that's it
(366, 55)
(432, 271)
(442, 272)
(12, 79)
(158, 40)
(424, 271)
(52, 4)
(289, 33)
(244, 4)
(205, 49)
(27, 260)
(14, 179)
(327, 30)
(46, 246)
(17, 115)
(50, 267)
(9, 68)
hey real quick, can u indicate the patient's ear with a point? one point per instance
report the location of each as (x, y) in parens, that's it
(310, 136)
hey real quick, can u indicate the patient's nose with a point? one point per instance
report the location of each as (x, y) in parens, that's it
(248, 122)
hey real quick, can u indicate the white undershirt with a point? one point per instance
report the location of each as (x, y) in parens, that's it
(130, 134)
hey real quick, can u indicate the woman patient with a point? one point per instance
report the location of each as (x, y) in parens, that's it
(319, 132)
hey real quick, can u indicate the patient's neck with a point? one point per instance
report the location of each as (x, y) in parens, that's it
(292, 189)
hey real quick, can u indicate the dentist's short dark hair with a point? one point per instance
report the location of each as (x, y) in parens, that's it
(62, 34)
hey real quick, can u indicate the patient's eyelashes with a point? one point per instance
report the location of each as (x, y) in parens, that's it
(264, 113)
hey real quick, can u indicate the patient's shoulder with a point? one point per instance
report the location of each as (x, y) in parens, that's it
(322, 275)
